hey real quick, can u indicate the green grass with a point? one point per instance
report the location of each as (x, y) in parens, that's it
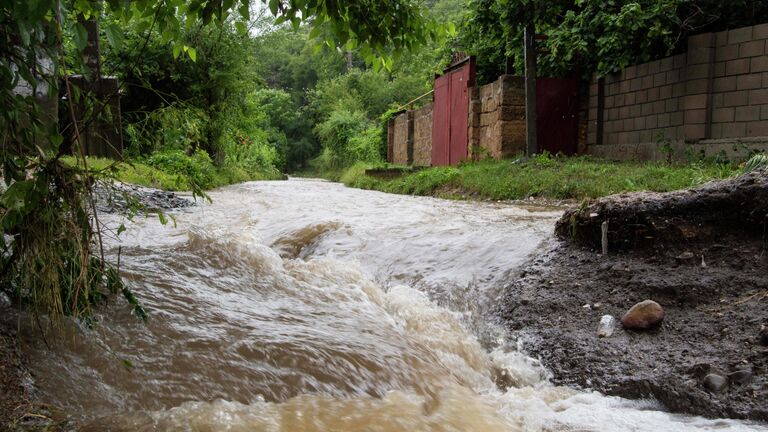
(543, 176)
(138, 173)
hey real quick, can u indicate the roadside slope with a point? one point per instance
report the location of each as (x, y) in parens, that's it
(701, 254)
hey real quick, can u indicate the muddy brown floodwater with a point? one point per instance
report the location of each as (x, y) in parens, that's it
(307, 306)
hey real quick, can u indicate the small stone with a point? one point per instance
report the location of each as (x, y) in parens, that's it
(586, 306)
(715, 383)
(597, 305)
(606, 326)
(685, 256)
(644, 315)
(739, 377)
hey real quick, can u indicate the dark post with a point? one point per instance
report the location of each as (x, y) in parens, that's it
(509, 66)
(92, 51)
(530, 89)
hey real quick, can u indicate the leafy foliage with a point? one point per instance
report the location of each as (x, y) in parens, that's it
(336, 134)
(594, 35)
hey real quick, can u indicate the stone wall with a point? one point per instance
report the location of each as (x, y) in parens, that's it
(710, 100)
(399, 139)
(497, 118)
(422, 136)
(496, 125)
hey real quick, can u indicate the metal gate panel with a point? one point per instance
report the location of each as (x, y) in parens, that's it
(459, 115)
(557, 115)
(450, 115)
(441, 122)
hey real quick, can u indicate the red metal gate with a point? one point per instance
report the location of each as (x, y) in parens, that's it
(450, 114)
(557, 115)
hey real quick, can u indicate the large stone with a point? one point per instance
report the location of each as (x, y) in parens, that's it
(715, 383)
(644, 315)
(743, 376)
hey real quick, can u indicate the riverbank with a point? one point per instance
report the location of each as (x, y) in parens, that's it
(701, 254)
(175, 172)
(544, 176)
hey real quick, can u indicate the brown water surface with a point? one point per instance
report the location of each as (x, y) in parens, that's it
(307, 306)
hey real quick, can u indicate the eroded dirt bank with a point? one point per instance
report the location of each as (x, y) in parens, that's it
(701, 254)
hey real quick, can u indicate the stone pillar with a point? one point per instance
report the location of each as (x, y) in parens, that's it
(391, 140)
(409, 141)
(473, 123)
(512, 115)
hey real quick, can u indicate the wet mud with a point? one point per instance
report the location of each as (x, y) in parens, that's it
(701, 254)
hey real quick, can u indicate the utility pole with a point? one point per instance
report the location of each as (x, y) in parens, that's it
(530, 88)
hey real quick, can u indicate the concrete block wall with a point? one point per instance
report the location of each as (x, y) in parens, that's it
(711, 99)
(740, 83)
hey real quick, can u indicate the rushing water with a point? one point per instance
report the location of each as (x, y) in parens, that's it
(307, 306)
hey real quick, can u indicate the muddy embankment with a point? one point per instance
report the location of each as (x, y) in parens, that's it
(701, 254)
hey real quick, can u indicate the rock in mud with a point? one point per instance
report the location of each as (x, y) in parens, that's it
(740, 377)
(606, 326)
(644, 315)
(715, 383)
(685, 256)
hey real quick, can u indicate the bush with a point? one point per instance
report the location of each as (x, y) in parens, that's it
(174, 127)
(198, 168)
(364, 147)
(336, 133)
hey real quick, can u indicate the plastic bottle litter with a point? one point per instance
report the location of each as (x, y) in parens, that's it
(607, 324)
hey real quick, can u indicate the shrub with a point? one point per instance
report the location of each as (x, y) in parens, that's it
(336, 133)
(364, 147)
(198, 168)
(174, 127)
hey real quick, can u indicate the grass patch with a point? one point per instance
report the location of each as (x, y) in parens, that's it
(543, 176)
(140, 173)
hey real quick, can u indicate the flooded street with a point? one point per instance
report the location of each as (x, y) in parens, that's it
(307, 306)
